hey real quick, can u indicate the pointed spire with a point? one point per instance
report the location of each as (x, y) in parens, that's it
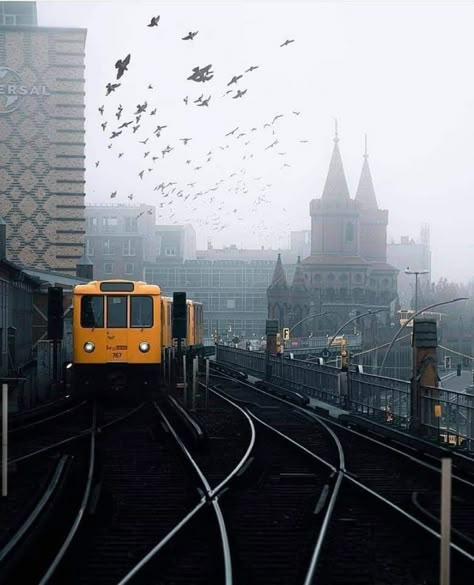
(365, 194)
(336, 184)
(298, 278)
(279, 278)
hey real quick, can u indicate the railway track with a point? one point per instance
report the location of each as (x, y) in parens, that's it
(388, 477)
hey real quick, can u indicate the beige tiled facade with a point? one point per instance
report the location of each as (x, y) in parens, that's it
(42, 142)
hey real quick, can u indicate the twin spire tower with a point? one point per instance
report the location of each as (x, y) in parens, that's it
(347, 270)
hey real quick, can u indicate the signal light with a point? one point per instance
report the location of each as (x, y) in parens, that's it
(286, 334)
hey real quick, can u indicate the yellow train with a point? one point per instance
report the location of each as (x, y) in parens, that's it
(120, 329)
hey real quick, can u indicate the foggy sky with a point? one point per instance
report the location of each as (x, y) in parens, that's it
(400, 73)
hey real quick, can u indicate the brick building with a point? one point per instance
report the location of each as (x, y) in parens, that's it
(346, 272)
(41, 139)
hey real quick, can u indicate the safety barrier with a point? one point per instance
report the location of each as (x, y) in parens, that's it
(449, 414)
(309, 378)
(386, 399)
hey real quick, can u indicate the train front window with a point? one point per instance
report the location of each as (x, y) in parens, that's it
(141, 311)
(92, 311)
(116, 311)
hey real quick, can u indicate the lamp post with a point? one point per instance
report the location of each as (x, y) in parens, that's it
(411, 319)
(354, 319)
(416, 273)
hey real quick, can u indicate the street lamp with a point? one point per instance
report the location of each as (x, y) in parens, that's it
(411, 319)
(416, 273)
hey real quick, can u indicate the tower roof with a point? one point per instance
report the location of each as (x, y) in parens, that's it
(298, 278)
(365, 194)
(279, 278)
(335, 187)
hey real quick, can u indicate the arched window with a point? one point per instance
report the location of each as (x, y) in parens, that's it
(349, 232)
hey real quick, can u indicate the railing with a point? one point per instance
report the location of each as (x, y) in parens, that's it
(449, 414)
(309, 378)
(385, 399)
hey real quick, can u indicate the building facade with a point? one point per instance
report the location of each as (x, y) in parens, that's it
(120, 239)
(233, 292)
(415, 255)
(347, 271)
(41, 140)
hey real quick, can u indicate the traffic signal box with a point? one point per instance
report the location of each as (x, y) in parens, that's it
(179, 315)
(286, 334)
(55, 313)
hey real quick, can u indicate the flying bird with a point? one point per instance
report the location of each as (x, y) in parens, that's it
(296, 113)
(141, 108)
(143, 141)
(104, 124)
(185, 140)
(97, 164)
(154, 21)
(126, 124)
(232, 131)
(153, 112)
(272, 144)
(120, 154)
(130, 196)
(146, 154)
(201, 74)
(150, 86)
(110, 87)
(287, 42)
(115, 134)
(101, 110)
(239, 94)
(276, 118)
(113, 194)
(185, 100)
(304, 141)
(205, 102)
(234, 79)
(190, 36)
(121, 66)
(251, 68)
(135, 128)
(140, 174)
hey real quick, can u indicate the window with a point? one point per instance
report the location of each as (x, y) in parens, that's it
(92, 311)
(89, 247)
(108, 268)
(108, 247)
(92, 224)
(141, 311)
(129, 268)
(230, 303)
(170, 251)
(116, 311)
(9, 19)
(349, 232)
(131, 224)
(109, 224)
(129, 248)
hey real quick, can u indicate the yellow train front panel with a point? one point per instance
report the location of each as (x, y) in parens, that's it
(117, 322)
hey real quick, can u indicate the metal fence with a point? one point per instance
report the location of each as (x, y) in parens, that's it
(449, 414)
(385, 399)
(309, 378)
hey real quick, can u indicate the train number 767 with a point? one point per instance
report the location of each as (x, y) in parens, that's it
(116, 355)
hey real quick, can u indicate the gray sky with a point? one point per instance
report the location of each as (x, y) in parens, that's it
(400, 72)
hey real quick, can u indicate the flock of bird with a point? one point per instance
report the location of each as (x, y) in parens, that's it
(122, 125)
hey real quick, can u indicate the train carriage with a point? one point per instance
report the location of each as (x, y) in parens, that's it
(116, 333)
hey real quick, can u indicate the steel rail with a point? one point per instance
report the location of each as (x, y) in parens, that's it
(361, 485)
(48, 418)
(49, 491)
(85, 500)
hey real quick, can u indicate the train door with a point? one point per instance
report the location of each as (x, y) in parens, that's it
(117, 318)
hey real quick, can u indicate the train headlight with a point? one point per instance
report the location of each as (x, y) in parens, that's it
(89, 346)
(144, 346)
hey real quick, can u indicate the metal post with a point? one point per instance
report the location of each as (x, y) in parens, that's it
(195, 371)
(207, 382)
(55, 360)
(445, 520)
(416, 292)
(185, 384)
(4, 440)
